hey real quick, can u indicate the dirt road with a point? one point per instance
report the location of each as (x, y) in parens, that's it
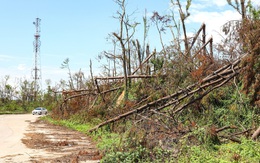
(25, 138)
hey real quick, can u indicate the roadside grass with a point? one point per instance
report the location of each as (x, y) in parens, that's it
(68, 123)
(114, 148)
(107, 142)
(247, 151)
(12, 109)
(13, 112)
(231, 110)
(16, 107)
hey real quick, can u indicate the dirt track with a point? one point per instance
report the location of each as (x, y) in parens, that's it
(25, 138)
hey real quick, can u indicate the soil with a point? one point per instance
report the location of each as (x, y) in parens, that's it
(50, 143)
(63, 144)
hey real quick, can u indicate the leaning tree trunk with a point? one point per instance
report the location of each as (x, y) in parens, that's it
(256, 134)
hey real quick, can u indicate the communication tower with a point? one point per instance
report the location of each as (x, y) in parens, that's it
(36, 49)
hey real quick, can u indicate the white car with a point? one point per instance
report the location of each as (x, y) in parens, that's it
(40, 111)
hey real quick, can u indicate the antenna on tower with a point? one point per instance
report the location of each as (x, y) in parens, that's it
(36, 49)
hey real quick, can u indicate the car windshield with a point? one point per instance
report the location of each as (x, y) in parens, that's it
(38, 109)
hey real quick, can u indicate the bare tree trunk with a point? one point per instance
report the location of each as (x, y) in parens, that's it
(91, 73)
(122, 14)
(204, 40)
(139, 55)
(211, 82)
(256, 134)
(183, 17)
(98, 89)
(114, 60)
(243, 9)
(122, 77)
(148, 55)
(125, 42)
(147, 59)
(128, 59)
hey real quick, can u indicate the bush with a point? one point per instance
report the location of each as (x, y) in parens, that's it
(248, 151)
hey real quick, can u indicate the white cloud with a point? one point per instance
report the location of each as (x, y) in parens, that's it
(219, 3)
(5, 57)
(53, 73)
(198, 6)
(21, 67)
(214, 17)
(205, 4)
(255, 2)
(214, 21)
(214, 13)
(15, 76)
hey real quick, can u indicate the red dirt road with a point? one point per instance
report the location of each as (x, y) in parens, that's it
(25, 138)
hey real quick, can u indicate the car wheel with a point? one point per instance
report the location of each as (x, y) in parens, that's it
(40, 113)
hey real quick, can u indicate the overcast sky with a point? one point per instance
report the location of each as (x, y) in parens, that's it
(77, 29)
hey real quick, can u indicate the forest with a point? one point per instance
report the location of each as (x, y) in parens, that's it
(194, 100)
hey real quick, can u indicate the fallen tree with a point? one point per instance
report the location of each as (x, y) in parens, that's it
(215, 80)
(256, 134)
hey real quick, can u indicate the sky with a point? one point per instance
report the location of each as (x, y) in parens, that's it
(78, 30)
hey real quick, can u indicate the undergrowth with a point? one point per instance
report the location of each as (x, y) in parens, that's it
(123, 142)
(115, 149)
(247, 151)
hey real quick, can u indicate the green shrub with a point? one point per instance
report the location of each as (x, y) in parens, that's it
(246, 152)
(139, 154)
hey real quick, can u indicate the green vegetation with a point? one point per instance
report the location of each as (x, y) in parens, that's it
(201, 144)
(68, 123)
(181, 104)
(19, 107)
(247, 151)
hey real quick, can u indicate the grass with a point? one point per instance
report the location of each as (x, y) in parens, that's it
(246, 152)
(108, 143)
(13, 112)
(68, 123)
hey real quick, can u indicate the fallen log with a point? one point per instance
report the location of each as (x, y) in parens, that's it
(122, 77)
(256, 134)
(213, 81)
(225, 128)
